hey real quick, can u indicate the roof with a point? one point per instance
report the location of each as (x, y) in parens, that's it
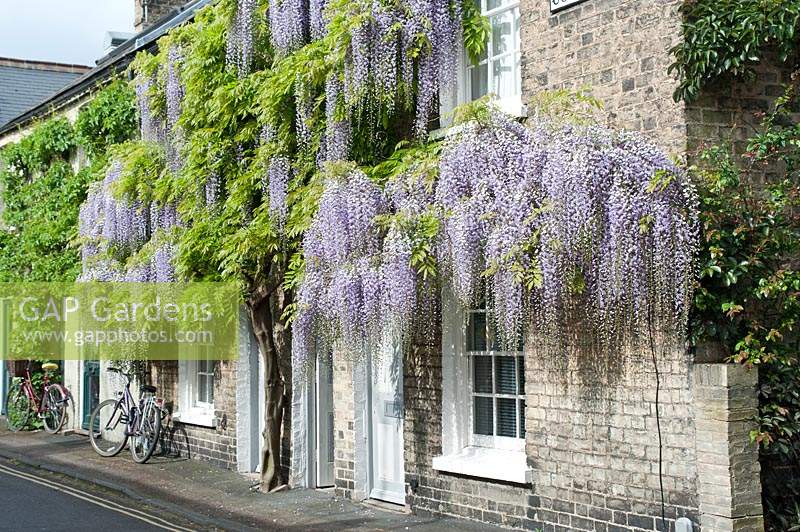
(23, 83)
(115, 62)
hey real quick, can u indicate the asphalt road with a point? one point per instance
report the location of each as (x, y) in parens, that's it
(30, 501)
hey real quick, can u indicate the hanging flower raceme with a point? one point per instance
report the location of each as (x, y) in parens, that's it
(337, 129)
(342, 293)
(382, 51)
(174, 95)
(289, 24)
(549, 225)
(239, 48)
(113, 229)
(151, 126)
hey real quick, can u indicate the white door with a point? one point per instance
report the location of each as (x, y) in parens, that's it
(324, 416)
(386, 404)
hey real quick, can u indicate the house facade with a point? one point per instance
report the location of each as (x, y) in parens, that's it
(450, 427)
(214, 406)
(446, 425)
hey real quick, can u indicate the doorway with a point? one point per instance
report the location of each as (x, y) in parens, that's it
(385, 400)
(90, 389)
(323, 440)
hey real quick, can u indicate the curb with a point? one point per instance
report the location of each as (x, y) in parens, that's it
(127, 491)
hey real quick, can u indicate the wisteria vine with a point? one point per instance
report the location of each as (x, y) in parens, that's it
(114, 229)
(551, 225)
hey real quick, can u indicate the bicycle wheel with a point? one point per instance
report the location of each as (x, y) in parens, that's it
(18, 408)
(108, 428)
(146, 439)
(54, 411)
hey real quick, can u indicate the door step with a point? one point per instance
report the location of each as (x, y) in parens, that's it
(387, 506)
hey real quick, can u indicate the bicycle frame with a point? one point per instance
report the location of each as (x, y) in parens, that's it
(30, 392)
(130, 409)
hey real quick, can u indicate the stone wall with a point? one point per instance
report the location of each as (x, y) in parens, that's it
(595, 452)
(619, 49)
(216, 445)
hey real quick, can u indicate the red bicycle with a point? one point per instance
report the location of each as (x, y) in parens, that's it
(50, 407)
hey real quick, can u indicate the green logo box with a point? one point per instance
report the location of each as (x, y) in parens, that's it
(119, 321)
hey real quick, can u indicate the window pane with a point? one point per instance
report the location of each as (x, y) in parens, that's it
(202, 388)
(210, 386)
(507, 417)
(479, 81)
(484, 418)
(502, 33)
(476, 332)
(505, 376)
(522, 419)
(503, 82)
(482, 382)
(521, 375)
(494, 4)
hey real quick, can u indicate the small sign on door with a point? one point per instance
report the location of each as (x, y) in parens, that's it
(558, 5)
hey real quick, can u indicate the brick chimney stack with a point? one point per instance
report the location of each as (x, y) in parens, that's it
(148, 12)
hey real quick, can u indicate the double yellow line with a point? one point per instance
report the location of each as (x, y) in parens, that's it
(94, 499)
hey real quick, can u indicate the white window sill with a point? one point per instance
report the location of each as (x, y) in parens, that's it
(196, 417)
(511, 106)
(482, 462)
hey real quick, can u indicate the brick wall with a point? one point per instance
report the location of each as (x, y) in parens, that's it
(216, 445)
(343, 425)
(725, 110)
(441, 493)
(594, 453)
(616, 48)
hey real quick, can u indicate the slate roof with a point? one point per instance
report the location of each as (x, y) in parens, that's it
(24, 84)
(114, 62)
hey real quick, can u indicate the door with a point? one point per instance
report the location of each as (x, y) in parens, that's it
(387, 474)
(324, 420)
(91, 389)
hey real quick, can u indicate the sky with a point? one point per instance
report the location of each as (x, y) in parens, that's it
(63, 31)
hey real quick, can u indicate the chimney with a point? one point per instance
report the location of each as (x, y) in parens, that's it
(148, 12)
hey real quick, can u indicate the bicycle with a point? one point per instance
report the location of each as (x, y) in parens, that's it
(22, 400)
(114, 421)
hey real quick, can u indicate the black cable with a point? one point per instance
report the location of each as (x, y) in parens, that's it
(658, 419)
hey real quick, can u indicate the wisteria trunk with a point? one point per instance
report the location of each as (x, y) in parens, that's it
(270, 349)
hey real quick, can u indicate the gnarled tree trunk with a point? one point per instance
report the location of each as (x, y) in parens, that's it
(270, 334)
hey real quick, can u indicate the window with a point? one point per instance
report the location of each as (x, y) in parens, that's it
(196, 392)
(205, 383)
(498, 72)
(483, 399)
(497, 384)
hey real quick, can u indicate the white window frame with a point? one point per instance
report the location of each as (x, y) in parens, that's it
(463, 94)
(505, 458)
(494, 441)
(190, 410)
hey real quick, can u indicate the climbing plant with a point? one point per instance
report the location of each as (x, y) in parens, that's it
(286, 145)
(747, 301)
(730, 37)
(42, 192)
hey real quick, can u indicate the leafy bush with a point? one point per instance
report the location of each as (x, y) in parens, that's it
(729, 37)
(749, 295)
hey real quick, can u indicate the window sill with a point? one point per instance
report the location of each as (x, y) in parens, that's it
(511, 106)
(482, 462)
(199, 417)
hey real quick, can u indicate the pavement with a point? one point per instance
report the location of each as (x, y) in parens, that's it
(198, 495)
